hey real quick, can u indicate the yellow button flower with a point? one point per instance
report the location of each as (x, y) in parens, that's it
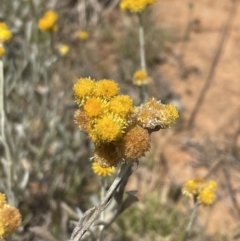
(63, 49)
(106, 154)
(94, 107)
(83, 88)
(10, 217)
(48, 22)
(135, 143)
(206, 197)
(106, 88)
(135, 6)
(192, 187)
(102, 171)
(121, 105)
(168, 116)
(109, 128)
(83, 35)
(141, 77)
(5, 33)
(153, 114)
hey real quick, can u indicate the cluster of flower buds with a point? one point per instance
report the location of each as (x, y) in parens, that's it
(202, 191)
(119, 130)
(10, 217)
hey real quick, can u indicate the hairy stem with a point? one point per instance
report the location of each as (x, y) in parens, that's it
(81, 227)
(6, 159)
(142, 89)
(191, 221)
(2, 112)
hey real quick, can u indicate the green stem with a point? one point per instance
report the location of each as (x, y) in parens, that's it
(191, 221)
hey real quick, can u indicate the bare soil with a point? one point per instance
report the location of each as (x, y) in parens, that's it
(218, 117)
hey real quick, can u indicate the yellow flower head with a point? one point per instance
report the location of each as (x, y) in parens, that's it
(154, 114)
(94, 107)
(109, 128)
(121, 105)
(5, 33)
(2, 200)
(83, 35)
(83, 88)
(140, 77)
(212, 185)
(81, 120)
(106, 88)
(206, 196)
(102, 171)
(135, 6)
(63, 49)
(48, 22)
(107, 155)
(192, 187)
(168, 116)
(10, 220)
(135, 143)
(2, 50)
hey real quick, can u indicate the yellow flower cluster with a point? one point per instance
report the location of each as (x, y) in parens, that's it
(83, 35)
(119, 130)
(10, 217)
(48, 22)
(105, 111)
(135, 6)
(5, 36)
(202, 191)
(140, 77)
